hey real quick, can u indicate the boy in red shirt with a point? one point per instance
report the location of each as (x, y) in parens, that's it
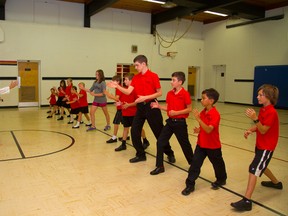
(208, 143)
(118, 115)
(178, 106)
(83, 103)
(128, 111)
(267, 133)
(72, 100)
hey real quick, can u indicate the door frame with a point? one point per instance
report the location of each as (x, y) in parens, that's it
(197, 84)
(218, 71)
(31, 104)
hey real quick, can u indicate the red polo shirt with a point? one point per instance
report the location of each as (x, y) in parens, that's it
(52, 99)
(68, 90)
(211, 140)
(268, 116)
(130, 111)
(118, 92)
(83, 100)
(145, 84)
(76, 103)
(60, 93)
(177, 102)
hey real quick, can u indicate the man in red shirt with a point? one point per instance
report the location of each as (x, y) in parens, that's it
(208, 143)
(146, 85)
(178, 106)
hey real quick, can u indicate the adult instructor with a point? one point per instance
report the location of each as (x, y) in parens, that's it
(146, 85)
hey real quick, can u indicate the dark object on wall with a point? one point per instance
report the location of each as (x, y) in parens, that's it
(275, 75)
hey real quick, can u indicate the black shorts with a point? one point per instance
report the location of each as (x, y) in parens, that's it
(118, 117)
(60, 101)
(84, 110)
(75, 111)
(127, 121)
(260, 161)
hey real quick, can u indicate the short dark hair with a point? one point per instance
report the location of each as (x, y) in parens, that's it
(129, 76)
(141, 59)
(211, 94)
(179, 75)
(271, 93)
(116, 78)
(74, 87)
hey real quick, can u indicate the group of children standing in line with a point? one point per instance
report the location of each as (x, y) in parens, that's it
(137, 102)
(76, 103)
(146, 86)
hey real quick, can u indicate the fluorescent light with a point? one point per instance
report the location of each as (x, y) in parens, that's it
(215, 13)
(155, 1)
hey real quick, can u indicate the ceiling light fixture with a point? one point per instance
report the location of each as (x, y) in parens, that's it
(168, 4)
(215, 13)
(155, 1)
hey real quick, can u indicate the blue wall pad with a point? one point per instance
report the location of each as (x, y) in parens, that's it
(276, 75)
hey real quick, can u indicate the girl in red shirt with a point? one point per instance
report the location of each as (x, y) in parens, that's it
(52, 102)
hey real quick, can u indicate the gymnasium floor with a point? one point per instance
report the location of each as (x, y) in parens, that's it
(48, 168)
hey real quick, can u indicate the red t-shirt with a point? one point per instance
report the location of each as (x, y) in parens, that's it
(68, 90)
(52, 100)
(130, 111)
(145, 84)
(118, 92)
(211, 140)
(76, 103)
(178, 102)
(268, 116)
(60, 93)
(83, 100)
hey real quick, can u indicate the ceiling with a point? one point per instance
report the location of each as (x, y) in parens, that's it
(189, 9)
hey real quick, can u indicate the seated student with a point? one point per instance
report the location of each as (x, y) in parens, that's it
(178, 106)
(208, 143)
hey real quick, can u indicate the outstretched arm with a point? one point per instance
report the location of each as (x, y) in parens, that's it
(115, 85)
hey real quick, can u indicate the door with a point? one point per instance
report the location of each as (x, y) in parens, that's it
(28, 72)
(220, 81)
(192, 75)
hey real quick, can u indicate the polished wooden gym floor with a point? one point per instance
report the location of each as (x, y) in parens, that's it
(48, 168)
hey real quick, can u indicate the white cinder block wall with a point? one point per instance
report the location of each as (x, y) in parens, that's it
(52, 33)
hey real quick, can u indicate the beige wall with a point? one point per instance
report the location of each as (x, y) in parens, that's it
(241, 49)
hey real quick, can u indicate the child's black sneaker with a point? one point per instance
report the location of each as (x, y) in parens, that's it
(272, 185)
(111, 140)
(121, 148)
(146, 144)
(242, 205)
(121, 138)
(215, 185)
